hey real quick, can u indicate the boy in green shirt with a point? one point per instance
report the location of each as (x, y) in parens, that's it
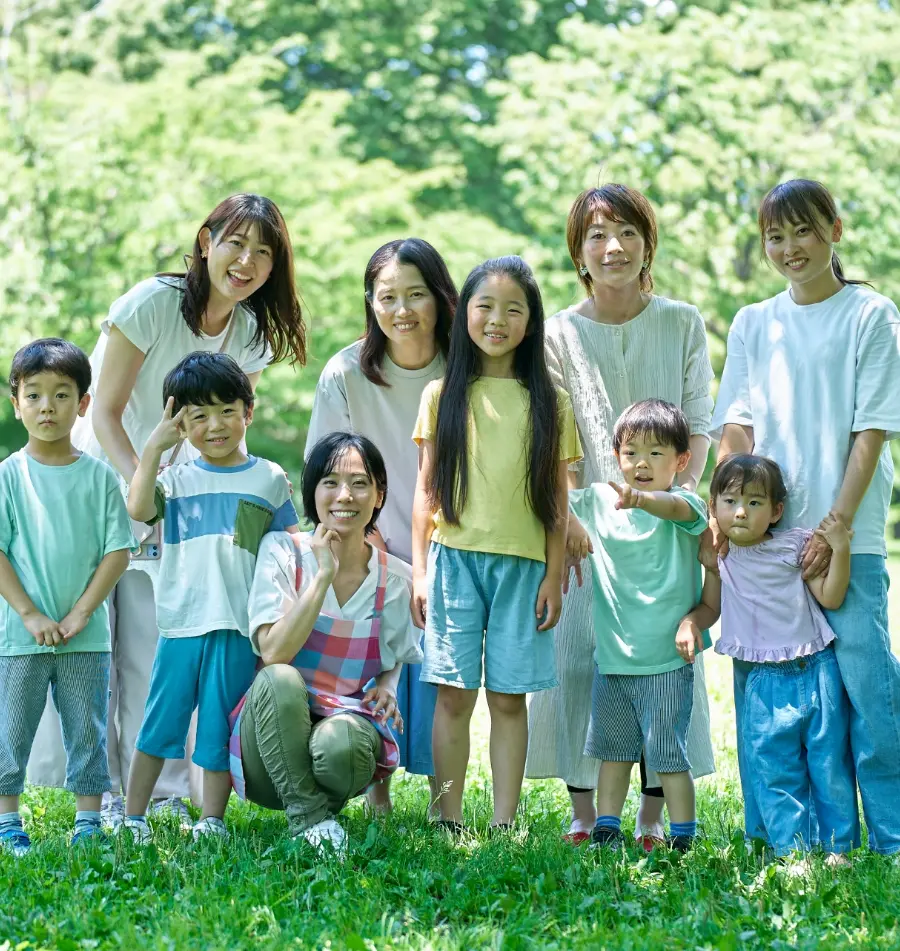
(646, 576)
(64, 542)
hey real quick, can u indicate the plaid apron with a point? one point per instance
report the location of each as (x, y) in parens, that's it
(338, 662)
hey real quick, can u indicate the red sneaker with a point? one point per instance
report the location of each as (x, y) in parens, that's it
(577, 838)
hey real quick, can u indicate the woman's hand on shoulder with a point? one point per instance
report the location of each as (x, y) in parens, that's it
(384, 705)
(322, 544)
(713, 545)
(578, 547)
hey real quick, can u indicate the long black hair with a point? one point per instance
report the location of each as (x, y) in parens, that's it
(420, 254)
(802, 201)
(279, 319)
(450, 478)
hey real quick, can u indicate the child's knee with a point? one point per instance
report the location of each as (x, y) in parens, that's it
(506, 704)
(456, 702)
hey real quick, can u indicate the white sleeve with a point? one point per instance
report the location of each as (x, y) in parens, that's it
(330, 412)
(253, 357)
(399, 637)
(139, 313)
(273, 591)
(878, 371)
(733, 404)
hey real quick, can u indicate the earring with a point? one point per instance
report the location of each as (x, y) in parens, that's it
(583, 270)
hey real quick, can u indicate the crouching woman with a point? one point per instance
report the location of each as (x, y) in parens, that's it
(329, 617)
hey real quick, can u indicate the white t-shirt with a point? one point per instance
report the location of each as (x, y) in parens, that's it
(215, 520)
(149, 315)
(345, 400)
(273, 593)
(806, 378)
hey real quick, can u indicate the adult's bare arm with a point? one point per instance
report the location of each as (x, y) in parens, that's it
(121, 364)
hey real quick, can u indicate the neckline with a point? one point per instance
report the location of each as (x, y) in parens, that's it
(650, 308)
(209, 467)
(43, 465)
(828, 302)
(394, 369)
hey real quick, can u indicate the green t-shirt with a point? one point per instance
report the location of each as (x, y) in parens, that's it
(646, 578)
(56, 525)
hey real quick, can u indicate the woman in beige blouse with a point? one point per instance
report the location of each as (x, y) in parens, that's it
(619, 345)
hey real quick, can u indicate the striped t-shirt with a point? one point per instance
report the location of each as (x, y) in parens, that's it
(214, 520)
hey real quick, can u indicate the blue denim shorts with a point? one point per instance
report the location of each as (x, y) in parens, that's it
(481, 604)
(209, 673)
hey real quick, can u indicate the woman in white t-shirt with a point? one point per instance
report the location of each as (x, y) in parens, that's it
(374, 387)
(812, 380)
(238, 296)
(619, 345)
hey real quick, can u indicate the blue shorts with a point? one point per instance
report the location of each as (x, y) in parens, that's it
(210, 674)
(484, 604)
(416, 701)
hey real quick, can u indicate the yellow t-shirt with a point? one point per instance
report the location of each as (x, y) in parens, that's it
(497, 517)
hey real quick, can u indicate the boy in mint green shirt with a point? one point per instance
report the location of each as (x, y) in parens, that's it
(64, 542)
(646, 537)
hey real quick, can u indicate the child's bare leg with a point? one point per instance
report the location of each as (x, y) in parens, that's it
(450, 740)
(216, 790)
(9, 804)
(142, 778)
(679, 790)
(509, 744)
(379, 796)
(612, 789)
(88, 803)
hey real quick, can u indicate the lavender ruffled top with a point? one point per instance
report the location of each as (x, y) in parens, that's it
(768, 613)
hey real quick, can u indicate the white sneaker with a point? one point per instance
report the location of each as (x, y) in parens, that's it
(139, 829)
(210, 826)
(327, 834)
(112, 812)
(174, 807)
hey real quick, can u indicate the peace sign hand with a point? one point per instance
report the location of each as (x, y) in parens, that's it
(168, 430)
(629, 498)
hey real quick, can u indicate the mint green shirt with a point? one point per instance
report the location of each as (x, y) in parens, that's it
(56, 525)
(646, 577)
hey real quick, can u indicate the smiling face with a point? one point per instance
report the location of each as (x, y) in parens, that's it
(649, 465)
(215, 430)
(48, 405)
(403, 305)
(745, 515)
(613, 251)
(799, 253)
(497, 319)
(346, 497)
(239, 263)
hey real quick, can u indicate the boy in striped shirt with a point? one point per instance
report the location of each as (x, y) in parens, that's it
(215, 511)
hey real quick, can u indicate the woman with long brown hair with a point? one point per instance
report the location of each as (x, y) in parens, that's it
(237, 297)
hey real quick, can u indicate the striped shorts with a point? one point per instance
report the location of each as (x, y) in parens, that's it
(650, 712)
(79, 683)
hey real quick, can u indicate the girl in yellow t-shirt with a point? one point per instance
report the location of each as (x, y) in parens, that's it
(495, 439)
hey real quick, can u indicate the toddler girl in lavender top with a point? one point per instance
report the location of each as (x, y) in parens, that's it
(794, 735)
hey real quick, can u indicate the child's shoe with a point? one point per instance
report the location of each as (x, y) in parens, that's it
(15, 841)
(174, 807)
(85, 831)
(210, 827)
(138, 828)
(112, 812)
(680, 843)
(607, 837)
(325, 834)
(650, 837)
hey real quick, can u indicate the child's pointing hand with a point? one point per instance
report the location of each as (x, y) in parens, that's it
(629, 498)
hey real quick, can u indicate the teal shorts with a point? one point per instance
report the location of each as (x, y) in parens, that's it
(210, 674)
(483, 605)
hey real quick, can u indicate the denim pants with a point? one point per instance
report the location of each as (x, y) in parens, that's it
(796, 746)
(307, 768)
(871, 675)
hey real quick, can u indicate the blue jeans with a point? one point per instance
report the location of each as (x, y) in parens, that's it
(871, 675)
(795, 736)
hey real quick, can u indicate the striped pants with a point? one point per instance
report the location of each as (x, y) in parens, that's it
(79, 685)
(652, 712)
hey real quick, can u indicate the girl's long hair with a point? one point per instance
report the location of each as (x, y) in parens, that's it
(450, 478)
(422, 255)
(279, 319)
(802, 201)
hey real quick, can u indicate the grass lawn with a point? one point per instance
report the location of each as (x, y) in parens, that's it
(406, 885)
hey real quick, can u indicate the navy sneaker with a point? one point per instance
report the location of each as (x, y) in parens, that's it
(680, 843)
(607, 837)
(15, 841)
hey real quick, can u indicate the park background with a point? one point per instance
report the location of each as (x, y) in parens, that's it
(473, 124)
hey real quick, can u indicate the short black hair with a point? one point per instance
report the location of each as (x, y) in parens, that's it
(202, 378)
(737, 471)
(324, 457)
(51, 355)
(657, 419)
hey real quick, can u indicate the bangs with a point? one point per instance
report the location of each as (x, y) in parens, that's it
(740, 472)
(241, 220)
(797, 202)
(614, 208)
(338, 452)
